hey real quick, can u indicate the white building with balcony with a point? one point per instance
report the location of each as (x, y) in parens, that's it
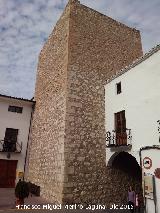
(15, 121)
(132, 111)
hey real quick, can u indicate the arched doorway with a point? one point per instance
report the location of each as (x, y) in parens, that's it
(125, 172)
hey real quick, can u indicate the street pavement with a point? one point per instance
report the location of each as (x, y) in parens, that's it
(7, 199)
(63, 211)
(40, 205)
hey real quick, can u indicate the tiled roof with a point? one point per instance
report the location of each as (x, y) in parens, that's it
(22, 99)
(135, 63)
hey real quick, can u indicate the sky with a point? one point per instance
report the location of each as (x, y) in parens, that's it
(26, 24)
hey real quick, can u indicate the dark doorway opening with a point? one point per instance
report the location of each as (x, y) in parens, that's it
(128, 164)
(10, 140)
(7, 173)
(125, 172)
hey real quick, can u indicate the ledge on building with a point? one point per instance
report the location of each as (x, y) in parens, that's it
(120, 148)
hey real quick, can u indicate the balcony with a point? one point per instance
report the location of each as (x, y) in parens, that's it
(10, 146)
(115, 139)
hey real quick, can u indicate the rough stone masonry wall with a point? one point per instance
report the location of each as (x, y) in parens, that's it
(117, 185)
(98, 47)
(67, 153)
(46, 151)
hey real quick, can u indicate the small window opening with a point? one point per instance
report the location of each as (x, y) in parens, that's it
(118, 87)
(15, 109)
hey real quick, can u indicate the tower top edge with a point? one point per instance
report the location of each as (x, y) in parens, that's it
(73, 1)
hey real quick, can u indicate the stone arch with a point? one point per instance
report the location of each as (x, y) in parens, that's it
(109, 164)
(124, 171)
(127, 163)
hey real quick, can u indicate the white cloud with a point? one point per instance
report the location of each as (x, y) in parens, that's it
(140, 14)
(25, 25)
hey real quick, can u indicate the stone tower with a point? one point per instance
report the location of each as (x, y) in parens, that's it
(67, 150)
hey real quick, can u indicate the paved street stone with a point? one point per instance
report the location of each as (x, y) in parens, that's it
(7, 205)
(63, 211)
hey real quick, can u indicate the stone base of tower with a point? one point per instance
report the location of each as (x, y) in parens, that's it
(109, 188)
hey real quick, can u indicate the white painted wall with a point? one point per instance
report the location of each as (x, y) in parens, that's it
(16, 121)
(140, 98)
(154, 155)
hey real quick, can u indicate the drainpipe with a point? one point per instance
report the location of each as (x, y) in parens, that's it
(33, 106)
(140, 155)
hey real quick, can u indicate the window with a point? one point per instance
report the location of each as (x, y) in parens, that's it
(120, 128)
(118, 88)
(10, 140)
(120, 121)
(15, 109)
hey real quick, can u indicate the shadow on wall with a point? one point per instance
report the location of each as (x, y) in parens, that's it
(124, 171)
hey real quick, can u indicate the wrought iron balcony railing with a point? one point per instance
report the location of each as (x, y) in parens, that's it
(118, 139)
(10, 146)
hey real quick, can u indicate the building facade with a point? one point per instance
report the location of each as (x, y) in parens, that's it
(15, 114)
(132, 102)
(67, 157)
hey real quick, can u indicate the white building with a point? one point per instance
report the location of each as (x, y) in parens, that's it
(15, 121)
(132, 110)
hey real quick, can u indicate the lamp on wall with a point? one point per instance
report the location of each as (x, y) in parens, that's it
(159, 129)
